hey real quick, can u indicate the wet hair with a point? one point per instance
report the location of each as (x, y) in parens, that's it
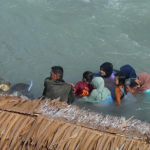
(88, 75)
(58, 70)
(131, 82)
(121, 77)
(107, 67)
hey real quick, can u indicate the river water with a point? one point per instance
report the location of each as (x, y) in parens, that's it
(78, 35)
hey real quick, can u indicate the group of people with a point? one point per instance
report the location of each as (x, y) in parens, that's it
(106, 86)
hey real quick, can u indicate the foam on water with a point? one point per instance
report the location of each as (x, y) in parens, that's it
(86, 1)
(116, 4)
(94, 120)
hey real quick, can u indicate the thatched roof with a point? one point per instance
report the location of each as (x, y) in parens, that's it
(45, 125)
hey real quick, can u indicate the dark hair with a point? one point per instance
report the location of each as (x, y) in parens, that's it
(131, 82)
(58, 70)
(88, 75)
(107, 67)
(121, 78)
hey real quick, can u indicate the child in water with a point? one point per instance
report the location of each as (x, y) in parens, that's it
(84, 87)
(121, 88)
(100, 94)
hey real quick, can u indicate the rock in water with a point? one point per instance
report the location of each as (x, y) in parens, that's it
(21, 89)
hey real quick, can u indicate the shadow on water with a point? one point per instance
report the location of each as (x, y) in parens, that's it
(137, 106)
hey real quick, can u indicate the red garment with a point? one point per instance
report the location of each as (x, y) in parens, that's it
(83, 89)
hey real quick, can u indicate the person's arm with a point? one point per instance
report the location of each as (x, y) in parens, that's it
(118, 95)
(71, 96)
(129, 89)
(44, 91)
(94, 97)
(77, 89)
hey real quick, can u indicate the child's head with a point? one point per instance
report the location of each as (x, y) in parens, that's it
(106, 69)
(87, 76)
(120, 78)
